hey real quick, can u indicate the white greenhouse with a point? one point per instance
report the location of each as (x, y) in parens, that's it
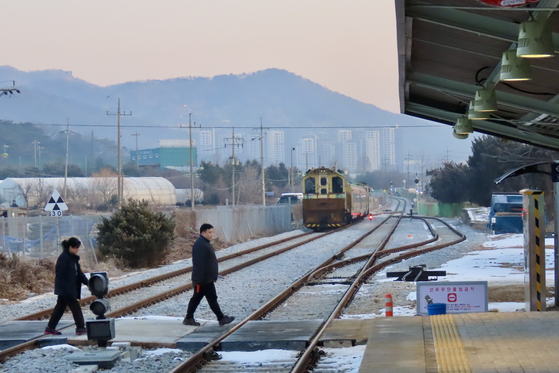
(85, 191)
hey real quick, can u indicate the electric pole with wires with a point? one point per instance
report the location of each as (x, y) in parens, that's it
(235, 141)
(119, 176)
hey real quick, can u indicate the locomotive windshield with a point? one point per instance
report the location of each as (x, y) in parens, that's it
(310, 185)
(337, 185)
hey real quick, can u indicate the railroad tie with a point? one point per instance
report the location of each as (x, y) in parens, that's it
(449, 348)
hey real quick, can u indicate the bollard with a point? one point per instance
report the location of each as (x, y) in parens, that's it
(388, 306)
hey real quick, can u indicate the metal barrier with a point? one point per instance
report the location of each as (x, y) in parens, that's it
(40, 236)
(242, 222)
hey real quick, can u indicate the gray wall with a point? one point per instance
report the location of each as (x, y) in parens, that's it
(240, 223)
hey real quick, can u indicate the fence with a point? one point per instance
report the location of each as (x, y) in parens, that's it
(40, 236)
(447, 210)
(239, 223)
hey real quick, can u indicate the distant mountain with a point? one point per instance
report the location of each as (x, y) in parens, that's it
(281, 98)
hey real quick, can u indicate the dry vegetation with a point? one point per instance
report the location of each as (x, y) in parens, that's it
(19, 278)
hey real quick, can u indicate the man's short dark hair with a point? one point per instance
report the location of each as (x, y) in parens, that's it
(205, 227)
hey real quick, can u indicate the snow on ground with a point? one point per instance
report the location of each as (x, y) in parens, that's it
(504, 241)
(258, 356)
(479, 215)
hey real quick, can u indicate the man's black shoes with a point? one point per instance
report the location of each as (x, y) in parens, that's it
(226, 320)
(190, 322)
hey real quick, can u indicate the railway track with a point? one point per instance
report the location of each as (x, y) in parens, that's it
(311, 356)
(204, 355)
(175, 290)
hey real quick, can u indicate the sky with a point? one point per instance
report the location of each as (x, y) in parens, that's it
(347, 46)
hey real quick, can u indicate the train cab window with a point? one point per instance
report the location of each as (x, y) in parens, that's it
(337, 185)
(310, 185)
(323, 181)
(323, 191)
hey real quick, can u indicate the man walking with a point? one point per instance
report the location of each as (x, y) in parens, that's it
(204, 274)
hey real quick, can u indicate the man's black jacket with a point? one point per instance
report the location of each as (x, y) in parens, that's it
(69, 276)
(204, 262)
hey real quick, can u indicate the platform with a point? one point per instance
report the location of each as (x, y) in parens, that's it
(13, 333)
(472, 342)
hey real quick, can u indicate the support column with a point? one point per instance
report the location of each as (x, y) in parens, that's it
(533, 216)
(555, 179)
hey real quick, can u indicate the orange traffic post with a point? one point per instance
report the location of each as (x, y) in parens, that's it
(388, 306)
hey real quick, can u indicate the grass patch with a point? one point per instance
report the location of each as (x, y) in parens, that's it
(19, 277)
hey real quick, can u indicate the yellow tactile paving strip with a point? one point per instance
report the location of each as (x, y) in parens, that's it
(449, 348)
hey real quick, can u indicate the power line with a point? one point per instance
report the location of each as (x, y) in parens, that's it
(245, 127)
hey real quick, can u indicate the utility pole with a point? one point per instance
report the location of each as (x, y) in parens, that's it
(137, 159)
(291, 170)
(234, 144)
(119, 177)
(192, 199)
(67, 145)
(35, 143)
(262, 164)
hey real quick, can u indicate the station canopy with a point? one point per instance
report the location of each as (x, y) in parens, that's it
(453, 56)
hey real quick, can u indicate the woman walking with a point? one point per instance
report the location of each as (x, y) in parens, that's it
(67, 285)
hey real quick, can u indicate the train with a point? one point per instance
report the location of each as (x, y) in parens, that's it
(330, 201)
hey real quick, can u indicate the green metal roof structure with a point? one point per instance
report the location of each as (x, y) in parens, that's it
(448, 50)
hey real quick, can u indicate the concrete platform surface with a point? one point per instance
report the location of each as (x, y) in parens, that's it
(157, 332)
(13, 333)
(342, 333)
(473, 342)
(202, 336)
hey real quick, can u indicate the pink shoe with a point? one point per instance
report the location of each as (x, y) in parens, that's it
(51, 331)
(81, 331)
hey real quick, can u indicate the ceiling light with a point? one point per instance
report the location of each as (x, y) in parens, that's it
(461, 137)
(485, 100)
(473, 115)
(534, 40)
(463, 126)
(514, 68)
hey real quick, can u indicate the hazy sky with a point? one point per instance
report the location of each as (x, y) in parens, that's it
(346, 46)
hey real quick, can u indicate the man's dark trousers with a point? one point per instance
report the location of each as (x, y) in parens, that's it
(201, 291)
(59, 309)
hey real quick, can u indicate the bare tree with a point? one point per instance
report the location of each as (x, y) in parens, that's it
(105, 185)
(250, 187)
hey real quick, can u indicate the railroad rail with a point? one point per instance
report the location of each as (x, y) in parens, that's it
(201, 357)
(5, 354)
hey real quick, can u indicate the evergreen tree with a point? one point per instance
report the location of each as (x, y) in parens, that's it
(137, 235)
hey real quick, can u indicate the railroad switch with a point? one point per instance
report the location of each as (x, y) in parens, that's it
(416, 273)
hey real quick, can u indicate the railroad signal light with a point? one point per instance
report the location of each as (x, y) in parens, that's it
(100, 329)
(99, 284)
(370, 216)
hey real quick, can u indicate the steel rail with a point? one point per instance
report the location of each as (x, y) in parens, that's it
(321, 272)
(166, 276)
(306, 359)
(31, 344)
(203, 355)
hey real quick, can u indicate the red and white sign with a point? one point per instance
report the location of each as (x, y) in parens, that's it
(460, 297)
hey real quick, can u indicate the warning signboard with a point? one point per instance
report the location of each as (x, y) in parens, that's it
(460, 297)
(56, 204)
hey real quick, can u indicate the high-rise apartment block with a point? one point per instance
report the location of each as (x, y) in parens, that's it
(344, 135)
(207, 142)
(349, 150)
(372, 149)
(388, 148)
(329, 154)
(276, 147)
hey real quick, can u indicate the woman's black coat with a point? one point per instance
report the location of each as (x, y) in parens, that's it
(69, 276)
